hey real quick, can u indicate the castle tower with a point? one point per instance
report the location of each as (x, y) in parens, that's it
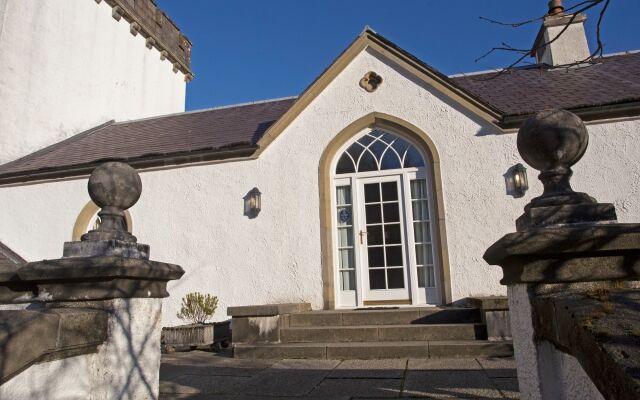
(67, 66)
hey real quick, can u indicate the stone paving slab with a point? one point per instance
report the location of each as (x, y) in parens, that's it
(201, 375)
(450, 384)
(380, 388)
(443, 364)
(370, 369)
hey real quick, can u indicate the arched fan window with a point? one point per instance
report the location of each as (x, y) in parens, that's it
(377, 151)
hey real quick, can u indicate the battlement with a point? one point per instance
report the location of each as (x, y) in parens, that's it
(160, 31)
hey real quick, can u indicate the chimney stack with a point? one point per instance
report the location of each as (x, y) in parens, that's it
(570, 47)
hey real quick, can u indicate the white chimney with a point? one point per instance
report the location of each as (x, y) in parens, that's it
(572, 44)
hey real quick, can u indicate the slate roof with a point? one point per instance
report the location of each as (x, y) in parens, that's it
(8, 258)
(188, 135)
(612, 80)
(611, 87)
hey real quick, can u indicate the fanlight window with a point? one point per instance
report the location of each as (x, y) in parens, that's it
(377, 151)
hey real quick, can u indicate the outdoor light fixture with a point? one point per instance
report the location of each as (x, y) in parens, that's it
(252, 203)
(519, 178)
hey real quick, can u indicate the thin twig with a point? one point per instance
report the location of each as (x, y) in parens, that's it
(525, 52)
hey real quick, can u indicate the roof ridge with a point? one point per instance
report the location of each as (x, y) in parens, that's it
(54, 146)
(249, 103)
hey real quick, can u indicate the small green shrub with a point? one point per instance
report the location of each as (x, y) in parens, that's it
(197, 307)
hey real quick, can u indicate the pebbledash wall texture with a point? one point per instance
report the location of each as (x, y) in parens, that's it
(194, 214)
(67, 66)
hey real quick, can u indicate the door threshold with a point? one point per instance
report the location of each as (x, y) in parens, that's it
(386, 302)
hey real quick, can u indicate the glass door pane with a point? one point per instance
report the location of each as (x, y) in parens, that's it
(346, 263)
(422, 234)
(383, 229)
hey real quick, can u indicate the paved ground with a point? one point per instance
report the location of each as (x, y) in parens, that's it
(203, 375)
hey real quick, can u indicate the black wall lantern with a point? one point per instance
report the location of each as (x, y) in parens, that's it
(519, 177)
(252, 203)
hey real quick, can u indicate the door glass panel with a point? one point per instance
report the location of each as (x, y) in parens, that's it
(346, 258)
(395, 277)
(371, 192)
(377, 150)
(376, 257)
(346, 262)
(420, 210)
(348, 280)
(344, 216)
(345, 237)
(413, 158)
(389, 191)
(422, 233)
(374, 235)
(391, 212)
(374, 215)
(390, 160)
(376, 279)
(355, 150)
(345, 165)
(394, 256)
(367, 162)
(392, 234)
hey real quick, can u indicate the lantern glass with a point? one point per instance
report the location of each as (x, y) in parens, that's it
(252, 203)
(520, 181)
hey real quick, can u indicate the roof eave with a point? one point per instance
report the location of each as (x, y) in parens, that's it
(587, 113)
(143, 162)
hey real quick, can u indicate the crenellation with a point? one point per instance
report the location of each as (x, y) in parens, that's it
(151, 22)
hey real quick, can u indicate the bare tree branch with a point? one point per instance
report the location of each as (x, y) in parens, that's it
(577, 8)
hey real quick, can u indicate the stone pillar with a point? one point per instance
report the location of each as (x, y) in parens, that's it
(107, 271)
(571, 270)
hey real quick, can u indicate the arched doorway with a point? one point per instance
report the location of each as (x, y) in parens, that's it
(383, 223)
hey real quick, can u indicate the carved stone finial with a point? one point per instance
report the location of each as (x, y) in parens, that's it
(114, 187)
(552, 141)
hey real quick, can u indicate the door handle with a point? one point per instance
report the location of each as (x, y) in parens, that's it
(362, 233)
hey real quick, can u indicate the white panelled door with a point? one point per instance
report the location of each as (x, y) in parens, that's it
(381, 236)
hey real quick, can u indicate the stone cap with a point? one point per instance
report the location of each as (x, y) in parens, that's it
(268, 310)
(601, 329)
(572, 253)
(92, 278)
(11, 288)
(27, 337)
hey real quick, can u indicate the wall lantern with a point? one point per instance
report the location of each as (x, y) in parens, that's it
(519, 178)
(252, 203)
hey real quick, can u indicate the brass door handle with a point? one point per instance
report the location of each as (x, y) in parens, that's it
(362, 233)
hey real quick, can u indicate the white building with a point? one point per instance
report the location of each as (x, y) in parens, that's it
(382, 183)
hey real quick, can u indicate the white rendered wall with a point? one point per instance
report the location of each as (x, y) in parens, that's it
(66, 66)
(126, 366)
(193, 216)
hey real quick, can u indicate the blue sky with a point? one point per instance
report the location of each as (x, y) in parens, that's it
(248, 50)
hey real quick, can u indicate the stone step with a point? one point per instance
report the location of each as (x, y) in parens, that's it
(399, 316)
(376, 350)
(382, 333)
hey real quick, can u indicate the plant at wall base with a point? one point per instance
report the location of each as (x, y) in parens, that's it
(198, 307)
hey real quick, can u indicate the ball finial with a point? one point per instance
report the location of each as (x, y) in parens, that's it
(115, 184)
(552, 140)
